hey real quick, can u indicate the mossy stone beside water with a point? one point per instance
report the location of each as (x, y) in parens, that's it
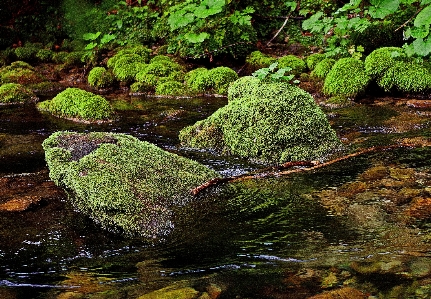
(78, 104)
(273, 122)
(120, 182)
(15, 93)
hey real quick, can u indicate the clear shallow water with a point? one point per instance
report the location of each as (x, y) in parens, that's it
(268, 238)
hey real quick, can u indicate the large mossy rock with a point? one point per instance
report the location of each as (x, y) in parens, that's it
(273, 122)
(121, 182)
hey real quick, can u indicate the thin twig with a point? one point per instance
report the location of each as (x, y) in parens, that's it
(279, 30)
(409, 20)
(304, 166)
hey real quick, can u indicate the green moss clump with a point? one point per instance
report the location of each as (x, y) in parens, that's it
(220, 78)
(78, 104)
(26, 53)
(274, 122)
(346, 78)
(406, 77)
(382, 59)
(321, 70)
(197, 80)
(243, 87)
(60, 57)
(297, 64)
(257, 60)
(314, 59)
(149, 79)
(127, 66)
(99, 77)
(141, 51)
(141, 87)
(15, 93)
(44, 55)
(170, 88)
(20, 72)
(122, 183)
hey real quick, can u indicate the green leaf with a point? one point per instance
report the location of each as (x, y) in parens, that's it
(273, 66)
(312, 22)
(91, 36)
(292, 5)
(178, 19)
(422, 47)
(106, 38)
(421, 32)
(196, 38)
(119, 24)
(91, 46)
(383, 8)
(425, 2)
(209, 8)
(424, 17)
(353, 4)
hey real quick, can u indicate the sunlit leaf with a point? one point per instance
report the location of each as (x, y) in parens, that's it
(91, 36)
(196, 38)
(383, 8)
(424, 17)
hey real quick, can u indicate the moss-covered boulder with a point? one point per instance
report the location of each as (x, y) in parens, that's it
(99, 77)
(11, 93)
(122, 183)
(126, 63)
(257, 60)
(197, 80)
(272, 122)
(20, 72)
(78, 104)
(322, 68)
(220, 79)
(380, 60)
(170, 88)
(347, 78)
(295, 63)
(313, 60)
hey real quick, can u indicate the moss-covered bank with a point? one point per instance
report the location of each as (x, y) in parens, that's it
(121, 182)
(273, 122)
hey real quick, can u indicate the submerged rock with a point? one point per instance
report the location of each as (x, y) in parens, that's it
(121, 182)
(272, 122)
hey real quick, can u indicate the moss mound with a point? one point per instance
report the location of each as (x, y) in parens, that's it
(78, 104)
(99, 77)
(120, 182)
(20, 72)
(347, 78)
(197, 80)
(257, 60)
(170, 88)
(382, 59)
(322, 68)
(15, 93)
(313, 60)
(295, 63)
(272, 122)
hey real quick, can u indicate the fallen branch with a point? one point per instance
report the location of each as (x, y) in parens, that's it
(279, 30)
(285, 169)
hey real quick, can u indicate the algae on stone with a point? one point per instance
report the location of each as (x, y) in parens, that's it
(272, 122)
(122, 183)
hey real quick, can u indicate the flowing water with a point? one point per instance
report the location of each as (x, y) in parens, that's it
(360, 226)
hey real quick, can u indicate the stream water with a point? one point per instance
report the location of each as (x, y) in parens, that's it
(355, 228)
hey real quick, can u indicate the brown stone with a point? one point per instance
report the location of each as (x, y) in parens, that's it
(20, 204)
(419, 103)
(420, 208)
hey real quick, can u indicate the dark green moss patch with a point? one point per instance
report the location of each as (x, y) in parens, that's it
(120, 182)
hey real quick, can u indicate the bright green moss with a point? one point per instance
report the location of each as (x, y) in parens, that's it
(15, 93)
(243, 87)
(73, 59)
(297, 64)
(346, 78)
(382, 59)
(257, 60)
(276, 122)
(141, 87)
(141, 51)
(99, 77)
(322, 68)
(220, 78)
(406, 77)
(197, 80)
(122, 183)
(127, 66)
(78, 104)
(170, 88)
(313, 60)
(144, 77)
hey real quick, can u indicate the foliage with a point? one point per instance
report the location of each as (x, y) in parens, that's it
(99, 77)
(322, 68)
(410, 76)
(272, 122)
(312, 60)
(15, 93)
(296, 64)
(413, 16)
(269, 74)
(122, 183)
(78, 104)
(170, 88)
(346, 78)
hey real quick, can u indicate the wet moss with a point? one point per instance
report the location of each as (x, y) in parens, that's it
(26, 53)
(99, 77)
(242, 87)
(20, 72)
(120, 182)
(127, 66)
(78, 104)
(44, 55)
(15, 93)
(274, 122)
(346, 78)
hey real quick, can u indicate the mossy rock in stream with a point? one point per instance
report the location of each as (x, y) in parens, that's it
(11, 93)
(78, 104)
(272, 122)
(122, 183)
(20, 72)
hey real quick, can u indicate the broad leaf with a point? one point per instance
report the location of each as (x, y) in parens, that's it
(422, 47)
(292, 5)
(353, 4)
(178, 19)
(383, 8)
(196, 38)
(106, 38)
(313, 22)
(209, 8)
(424, 17)
(91, 46)
(91, 36)
(425, 2)
(421, 32)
